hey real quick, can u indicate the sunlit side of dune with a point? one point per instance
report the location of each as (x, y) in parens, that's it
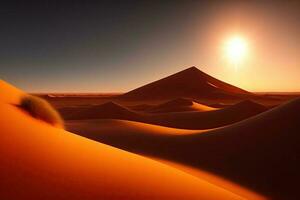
(201, 107)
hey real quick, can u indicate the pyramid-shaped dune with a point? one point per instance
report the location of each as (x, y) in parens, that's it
(189, 83)
(39, 161)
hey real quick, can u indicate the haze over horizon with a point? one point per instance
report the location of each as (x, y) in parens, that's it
(118, 46)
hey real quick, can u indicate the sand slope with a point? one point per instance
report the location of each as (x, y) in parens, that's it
(260, 153)
(39, 161)
(189, 83)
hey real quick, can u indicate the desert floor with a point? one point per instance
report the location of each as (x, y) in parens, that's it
(223, 143)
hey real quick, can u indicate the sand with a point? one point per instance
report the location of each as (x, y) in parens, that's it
(260, 153)
(39, 161)
(172, 148)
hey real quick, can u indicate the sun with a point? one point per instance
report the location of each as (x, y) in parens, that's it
(236, 49)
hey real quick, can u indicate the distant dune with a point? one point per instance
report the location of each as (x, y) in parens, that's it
(180, 105)
(185, 120)
(39, 161)
(260, 153)
(189, 83)
(110, 110)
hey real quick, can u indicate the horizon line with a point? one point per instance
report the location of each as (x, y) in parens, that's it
(117, 93)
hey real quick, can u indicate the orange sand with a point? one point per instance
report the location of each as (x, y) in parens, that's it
(39, 161)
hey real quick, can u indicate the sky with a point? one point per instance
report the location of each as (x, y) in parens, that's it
(116, 46)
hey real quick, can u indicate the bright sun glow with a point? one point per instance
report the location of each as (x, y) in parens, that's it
(236, 49)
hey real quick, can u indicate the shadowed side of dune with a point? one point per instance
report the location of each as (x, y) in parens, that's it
(261, 153)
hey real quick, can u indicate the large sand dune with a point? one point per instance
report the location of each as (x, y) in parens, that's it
(189, 83)
(260, 153)
(39, 161)
(185, 120)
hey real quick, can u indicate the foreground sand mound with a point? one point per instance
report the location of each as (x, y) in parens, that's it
(106, 110)
(260, 153)
(180, 105)
(39, 161)
(189, 83)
